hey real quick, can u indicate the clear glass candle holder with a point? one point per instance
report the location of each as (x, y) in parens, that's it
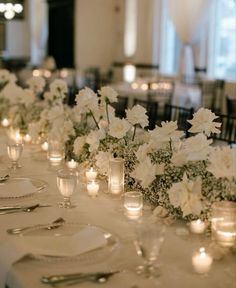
(92, 188)
(223, 223)
(116, 176)
(56, 153)
(66, 183)
(14, 151)
(202, 261)
(133, 204)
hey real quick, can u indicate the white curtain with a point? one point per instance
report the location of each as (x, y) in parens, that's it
(38, 30)
(189, 18)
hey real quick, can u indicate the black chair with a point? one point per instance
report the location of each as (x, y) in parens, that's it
(218, 96)
(231, 106)
(120, 106)
(179, 114)
(228, 129)
(152, 108)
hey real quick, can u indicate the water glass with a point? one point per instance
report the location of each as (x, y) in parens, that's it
(148, 243)
(14, 151)
(56, 152)
(66, 183)
(133, 204)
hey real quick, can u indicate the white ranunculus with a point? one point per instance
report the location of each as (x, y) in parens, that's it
(223, 162)
(137, 115)
(145, 172)
(202, 122)
(118, 128)
(87, 100)
(59, 88)
(93, 139)
(36, 84)
(160, 136)
(187, 196)
(102, 162)
(197, 147)
(79, 144)
(109, 93)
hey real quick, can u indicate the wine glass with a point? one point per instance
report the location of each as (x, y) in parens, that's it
(149, 239)
(14, 151)
(66, 183)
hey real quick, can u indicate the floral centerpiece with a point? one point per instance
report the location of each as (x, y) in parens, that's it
(183, 177)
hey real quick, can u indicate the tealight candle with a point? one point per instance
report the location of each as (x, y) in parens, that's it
(92, 188)
(91, 174)
(5, 122)
(116, 176)
(27, 138)
(202, 261)
(197, 226)
(133, 204)
(72, 164)
(44, 146)
(18, 138)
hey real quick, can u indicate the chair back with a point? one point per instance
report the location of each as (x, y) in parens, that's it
(120, 106)
(228, 129)
(231, 106)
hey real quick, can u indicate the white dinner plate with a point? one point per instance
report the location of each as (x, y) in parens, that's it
(18, 187)
(110, 247)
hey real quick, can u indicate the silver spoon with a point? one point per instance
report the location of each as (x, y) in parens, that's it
(24, 209)
(55, 224)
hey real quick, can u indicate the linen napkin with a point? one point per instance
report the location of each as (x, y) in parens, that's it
(87, 239)
(14, 189)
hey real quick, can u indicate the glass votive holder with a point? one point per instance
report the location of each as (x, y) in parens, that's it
(56, 152)
(202, 261)
(14, 151)
(91, 174)
(72, 164)
(197, 226)
(5, 122)
(27, 138)
(225, 232)
(222, 213)
(116, 176)
(44, 146)
(92, 188)
(133, 204)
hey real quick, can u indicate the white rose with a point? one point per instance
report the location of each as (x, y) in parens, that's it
(102, 162)
(118, 128)
(79, 144)
(145, 172)
(137, 115)
(87, 100)
(93, 139)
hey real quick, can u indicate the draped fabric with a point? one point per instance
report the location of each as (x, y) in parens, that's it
(189, 18)
(38, 30)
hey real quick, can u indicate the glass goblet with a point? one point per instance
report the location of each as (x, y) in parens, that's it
(149, 239)
(14, 151)
(66, 183)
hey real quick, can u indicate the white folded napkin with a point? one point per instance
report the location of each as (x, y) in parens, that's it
(14, 189)
(87, 239)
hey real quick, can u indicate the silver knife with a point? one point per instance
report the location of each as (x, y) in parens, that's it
(6, 208)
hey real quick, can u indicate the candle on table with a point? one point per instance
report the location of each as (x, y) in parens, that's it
(18, 138)
(27, 138)
(197, 226)
(44, 146)
(91, 174)
(92, 188)
(202, 261)
(5, 122)
(133, 204)
(72, 164)
(226, 234)
(116, 176)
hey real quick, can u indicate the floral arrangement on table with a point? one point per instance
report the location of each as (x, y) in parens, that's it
(183, 177)
(100, 134)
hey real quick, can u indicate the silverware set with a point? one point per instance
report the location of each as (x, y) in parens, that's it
(15, 209)
(72, 279)
(4, 178)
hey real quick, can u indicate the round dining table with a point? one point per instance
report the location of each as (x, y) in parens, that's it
(23, 269)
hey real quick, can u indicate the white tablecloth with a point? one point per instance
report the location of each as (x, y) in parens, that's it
(105, 212)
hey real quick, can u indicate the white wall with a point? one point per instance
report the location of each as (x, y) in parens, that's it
(97, 39)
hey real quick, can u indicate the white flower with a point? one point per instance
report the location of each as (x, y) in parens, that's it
(59, 87)
(109, 93)
(102, 162)
(197, 148)
(202, 122)
(79, 144)
(87, 100)
(26, 97)
(6, 77)
(12, 92)
(93, 139)
(187, 196)
(145, 172)
(160, 136)
(118, 128)
(137, 115)
(55, 112)
(223, 162)
(36, 84)
(142, 152)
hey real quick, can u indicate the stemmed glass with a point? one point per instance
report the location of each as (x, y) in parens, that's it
(14, 151)
(66, 183)
(149, 239)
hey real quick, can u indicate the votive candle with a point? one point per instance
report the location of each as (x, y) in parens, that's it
(91, 174)
(202, 261)
(72, 164)
(92, 188)
(197, 226)
(133, 204)
(5, 122)
(44, 146)
(27, 138)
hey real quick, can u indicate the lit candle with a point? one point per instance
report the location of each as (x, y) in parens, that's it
(44, 146)
(116, 187)
(133, 204)
(5, 122)
(27, 138)
(18, 138)
(91, 174)
(92, 188)
(202, 261)
(116, 176)
(197, 226)
(72, 164)
(134, 85)
(226, 234)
